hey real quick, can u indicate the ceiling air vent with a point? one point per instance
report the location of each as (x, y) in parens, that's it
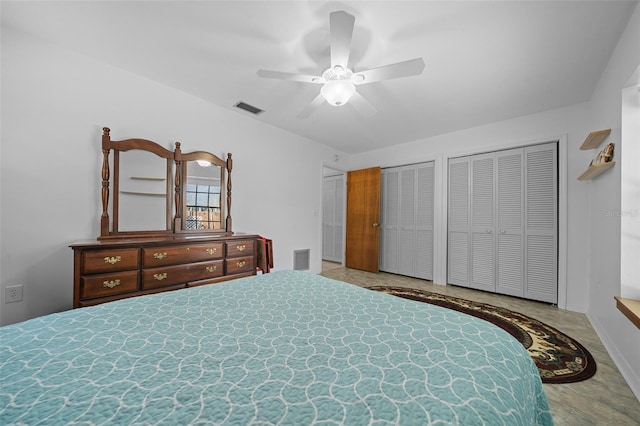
(250, 108)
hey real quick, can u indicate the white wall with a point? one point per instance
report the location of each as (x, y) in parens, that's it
(54, 104)
(619, 335)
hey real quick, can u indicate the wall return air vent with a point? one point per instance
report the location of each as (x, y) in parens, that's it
(301, 260)
(249, 108)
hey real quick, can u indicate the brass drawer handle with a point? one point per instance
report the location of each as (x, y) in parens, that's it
(211, 268)
(111, 284)
(241, 264)
(112, 260)
(160, 277)
(160, 256)
(212, 250)
(241, 247)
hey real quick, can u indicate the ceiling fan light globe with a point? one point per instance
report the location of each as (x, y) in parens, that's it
(338, 92)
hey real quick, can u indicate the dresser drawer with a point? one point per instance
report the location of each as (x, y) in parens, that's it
(108, 284)
(110, 260)
(171, 255)
(205, 270)
(240, 264)
(164, 276)
(240, 248)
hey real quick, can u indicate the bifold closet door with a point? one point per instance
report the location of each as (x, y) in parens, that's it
(407, 220)
(425, 187)
(332, 217)
(458, 235)
(509, 222)
(389, 209)
(482, 223)
(541, 223)
(502, 222)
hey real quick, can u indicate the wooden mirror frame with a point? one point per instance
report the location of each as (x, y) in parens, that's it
(176, 175)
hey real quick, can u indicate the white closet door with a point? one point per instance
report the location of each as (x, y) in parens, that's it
(407, 218)
(482, 222)
(339, 217)
(332, 217)
(406, 231)
(328, 209)
(509, 222)
(458, 222)
(541, 215)
(389, 220)
(425, 184)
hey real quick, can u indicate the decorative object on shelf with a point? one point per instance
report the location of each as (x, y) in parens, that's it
(604, 156)
(604, 159)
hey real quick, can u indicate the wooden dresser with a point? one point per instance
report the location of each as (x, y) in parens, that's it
(107, 270)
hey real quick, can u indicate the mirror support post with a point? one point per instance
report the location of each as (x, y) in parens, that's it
(229, 167)
(104, 218)
(177, 156)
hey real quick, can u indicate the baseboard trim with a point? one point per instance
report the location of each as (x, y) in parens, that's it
(627, 372)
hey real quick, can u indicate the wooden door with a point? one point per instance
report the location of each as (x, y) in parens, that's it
(363, 219)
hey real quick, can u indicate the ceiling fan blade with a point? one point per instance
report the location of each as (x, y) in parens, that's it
(388, 72)
(309, 109)
(291, 76)
(341, 27)
(362, 105)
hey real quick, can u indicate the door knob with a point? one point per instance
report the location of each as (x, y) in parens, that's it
(376, 224)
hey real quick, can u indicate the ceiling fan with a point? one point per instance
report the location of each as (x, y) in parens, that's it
(339, 81)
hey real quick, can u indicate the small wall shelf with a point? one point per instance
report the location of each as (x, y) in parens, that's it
(630, 308)
(147, 178)
(153, 194)
(595, 139)
(596, 170)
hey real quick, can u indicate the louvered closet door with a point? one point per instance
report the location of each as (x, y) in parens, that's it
(482, 223)
(332, 217)
(338, 216)
(541, 215)
(458, 222)
(328, 200)
(407, 221)
(509, 222)
(389, 220)
(425, 184)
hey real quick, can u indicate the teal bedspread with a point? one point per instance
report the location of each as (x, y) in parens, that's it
(289, 348)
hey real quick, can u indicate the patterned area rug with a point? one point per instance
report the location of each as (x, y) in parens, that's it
(559, 358)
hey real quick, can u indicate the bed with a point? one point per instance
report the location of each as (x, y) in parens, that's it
(287, 347)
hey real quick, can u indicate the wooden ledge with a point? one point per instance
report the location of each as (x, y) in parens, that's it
(630, 308)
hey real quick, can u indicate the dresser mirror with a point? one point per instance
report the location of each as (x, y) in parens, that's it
(150, 191)
(143, 184)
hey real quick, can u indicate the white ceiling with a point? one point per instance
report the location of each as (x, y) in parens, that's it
(486, 61)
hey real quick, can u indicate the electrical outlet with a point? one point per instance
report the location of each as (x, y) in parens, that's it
(13, 294)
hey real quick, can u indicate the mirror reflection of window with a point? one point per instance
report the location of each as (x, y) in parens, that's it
(202, 197)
